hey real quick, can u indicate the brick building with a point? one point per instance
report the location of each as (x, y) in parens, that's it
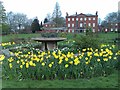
(80, 22)
(49, 24)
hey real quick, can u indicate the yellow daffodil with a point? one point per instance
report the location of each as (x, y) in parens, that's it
(115, 58)
(71, 62)
(98, 60)
(60, 61)
(66, 65)
(86, 63)
(27, 65)
(2, 57)
(23, 63)
(52, 62)
(43, 64)
(1, 63)
(105, 59)
(10, 65)
(109, 57)
(50, 65)
(96, 54)
(66, 59)
(21, 66)
(18, 62)
(86, 58)
(84, 50)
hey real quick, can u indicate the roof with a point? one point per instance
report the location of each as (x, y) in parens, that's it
(76, 15)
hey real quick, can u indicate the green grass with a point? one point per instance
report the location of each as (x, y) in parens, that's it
(11, 37)
(102, 36)
(98, 82)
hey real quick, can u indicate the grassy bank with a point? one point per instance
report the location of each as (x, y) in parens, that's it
(97, 82)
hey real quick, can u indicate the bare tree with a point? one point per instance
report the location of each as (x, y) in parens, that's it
(17, 21)
(57, 15)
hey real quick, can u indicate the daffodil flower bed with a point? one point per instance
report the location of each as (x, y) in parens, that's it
(59, 64)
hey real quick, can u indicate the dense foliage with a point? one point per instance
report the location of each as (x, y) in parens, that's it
(35, 25)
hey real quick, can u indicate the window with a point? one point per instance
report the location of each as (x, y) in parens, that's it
(84, 24)
(93, 30)
(93, 24)
(73, 30)
(46, 25)
(68, 19)
(81, 25)
(89, 18)
(72, 19)
(68, 25)
(116, 24)
(89, 24)
(81, 19)
(72, 25)
(111, 29)
(116, 29)
(76, 19)
(85, 19)
(93, 18)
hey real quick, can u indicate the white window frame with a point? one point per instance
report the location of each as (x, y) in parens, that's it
(116, 29)
(89, 24)
(85, 19)
(73, 25)
(68, 19)
(81, 24)
(68, 24)
(111, 29)
(72, 19)
(89, 18)
(94, 18)
(76, 19)
(81, 19)
(93, 24)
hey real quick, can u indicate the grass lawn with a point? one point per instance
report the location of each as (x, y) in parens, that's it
(11, 37)
(103, 36)
(98, 82)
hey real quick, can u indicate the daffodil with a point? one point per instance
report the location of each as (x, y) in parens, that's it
(21, 66)
(60, 61)
(86, 63)
(10, 65)
(115, 58)
(86, 58)
(27, 65)
(43, 64)
(71, 62)
(66, 59)
(50, 65)
(2, 57)
(105, 59)
(98, 60)
(66, 65)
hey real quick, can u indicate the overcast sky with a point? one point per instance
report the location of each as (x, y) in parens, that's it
(41, 8)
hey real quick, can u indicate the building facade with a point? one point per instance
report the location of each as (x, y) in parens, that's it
(50, 24)
(81, 22)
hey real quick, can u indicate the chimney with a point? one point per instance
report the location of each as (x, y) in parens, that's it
(96, 13)
(66, 13)
(76, 13)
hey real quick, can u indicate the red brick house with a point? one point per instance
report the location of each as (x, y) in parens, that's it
(50, 24)
(80, 22)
